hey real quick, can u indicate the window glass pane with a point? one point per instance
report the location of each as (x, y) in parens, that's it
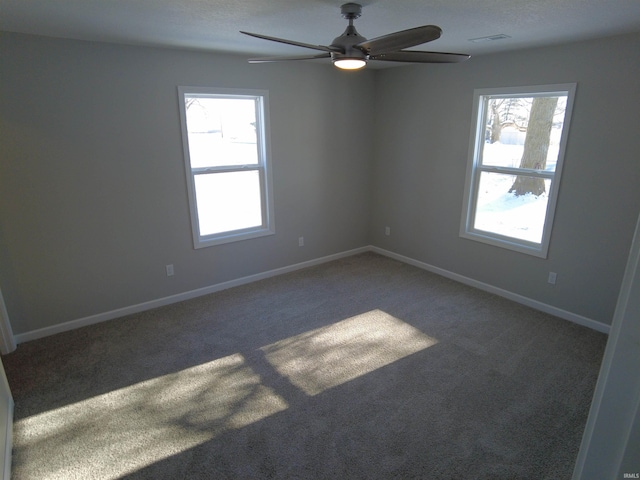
(499, 154)
(228, 201)
(499, 210)
(221, 131)
(523, 132)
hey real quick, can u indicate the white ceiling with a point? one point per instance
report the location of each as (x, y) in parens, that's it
(214, 25)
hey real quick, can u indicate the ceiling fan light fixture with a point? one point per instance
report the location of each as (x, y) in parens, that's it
(350, 63)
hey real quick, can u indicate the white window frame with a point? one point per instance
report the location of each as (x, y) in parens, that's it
(263, 166)
(475, 167)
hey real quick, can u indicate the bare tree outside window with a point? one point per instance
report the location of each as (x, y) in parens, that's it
(536, 145)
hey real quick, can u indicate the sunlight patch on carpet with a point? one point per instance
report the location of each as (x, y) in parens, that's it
(330, 356)
(147, 422)
(118, 433)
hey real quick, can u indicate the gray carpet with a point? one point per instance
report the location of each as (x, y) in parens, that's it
(361, 368)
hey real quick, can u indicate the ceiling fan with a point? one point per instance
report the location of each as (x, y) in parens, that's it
(351, 50)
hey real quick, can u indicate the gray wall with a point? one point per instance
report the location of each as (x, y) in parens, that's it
(93, 199)
(423, 121)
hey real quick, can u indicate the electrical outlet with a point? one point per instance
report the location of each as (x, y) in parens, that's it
(169, 270)
(553, 276)
(301, 241)
(387, 231)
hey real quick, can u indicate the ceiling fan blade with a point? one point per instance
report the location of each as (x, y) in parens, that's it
(421, 57)
(291, 42)
(399, 40)
(284, 59)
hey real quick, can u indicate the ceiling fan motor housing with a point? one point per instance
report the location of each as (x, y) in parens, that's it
(345, 45)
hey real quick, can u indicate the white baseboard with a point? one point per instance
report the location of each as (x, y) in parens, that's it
(101, 317)
(160, 302)
(543, 307)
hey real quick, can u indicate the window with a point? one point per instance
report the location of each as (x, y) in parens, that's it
(517, 145)
(225, 138)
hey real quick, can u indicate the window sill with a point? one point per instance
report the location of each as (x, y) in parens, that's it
(220, 239)
(528, 248)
